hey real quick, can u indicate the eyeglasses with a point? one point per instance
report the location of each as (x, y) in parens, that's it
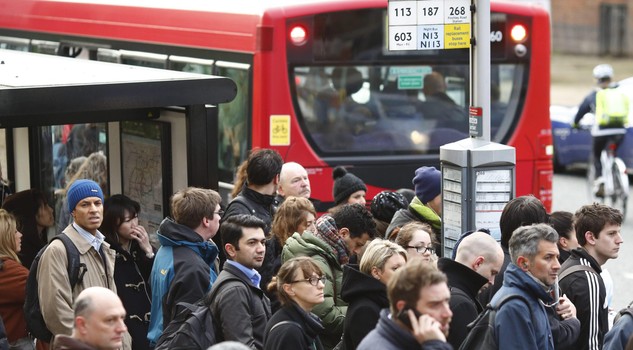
(312, 280)
(219, 212)
(422, 249)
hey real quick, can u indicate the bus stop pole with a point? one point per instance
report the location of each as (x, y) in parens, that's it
(480, 68)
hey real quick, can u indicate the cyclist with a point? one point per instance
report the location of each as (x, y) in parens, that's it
(611, 109)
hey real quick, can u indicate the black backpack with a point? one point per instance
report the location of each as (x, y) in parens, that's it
(481, 333)
(32, 312)
(192, 328)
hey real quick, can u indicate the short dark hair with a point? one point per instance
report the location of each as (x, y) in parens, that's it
(263, 166)
(356, 218)
(114, 209)
(231, 228)
(562, 222)
(593, 218)
(521, 211)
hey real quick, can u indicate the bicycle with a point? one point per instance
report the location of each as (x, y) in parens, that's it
(615, 181)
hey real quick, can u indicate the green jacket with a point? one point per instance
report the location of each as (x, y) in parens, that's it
(332, 310)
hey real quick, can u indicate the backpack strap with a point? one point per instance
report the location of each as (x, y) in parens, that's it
(283, 323)
(575, 268)
(76, 269)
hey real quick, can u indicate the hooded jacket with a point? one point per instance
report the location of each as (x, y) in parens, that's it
(416, 212)
(300, 332)
(586, 290)
(464, 284)
(519, 325)
(332, 310)
(183, 270)
(366, 296)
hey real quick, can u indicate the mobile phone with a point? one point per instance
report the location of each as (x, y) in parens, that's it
(403, 316)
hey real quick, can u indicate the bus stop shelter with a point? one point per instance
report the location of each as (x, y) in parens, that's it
(39, 90)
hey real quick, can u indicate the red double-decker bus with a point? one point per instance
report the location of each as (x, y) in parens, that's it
(316, 80)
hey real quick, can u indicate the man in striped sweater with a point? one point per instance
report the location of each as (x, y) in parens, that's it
(598, 232)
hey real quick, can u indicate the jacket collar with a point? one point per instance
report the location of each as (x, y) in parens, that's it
(462, 277)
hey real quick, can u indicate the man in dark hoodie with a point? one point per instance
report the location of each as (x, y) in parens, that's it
(184, 267)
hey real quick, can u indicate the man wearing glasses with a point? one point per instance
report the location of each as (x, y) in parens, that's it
(478, 260)
(239, 307)
(185, 265)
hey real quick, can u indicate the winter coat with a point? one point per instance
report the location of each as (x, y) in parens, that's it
(564, 332)
(332, 310)
(519, 325)
(365, 296)
(12, 293)
(56, 297)
(64, 342)
(183, 270)
(464, 284)
(388, 335)
(587, 291)
(240, 309)
(131, 275)
(416, 212)
(301, 332)
(486, 295)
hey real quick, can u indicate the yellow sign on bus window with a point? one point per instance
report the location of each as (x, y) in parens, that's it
(279, 130)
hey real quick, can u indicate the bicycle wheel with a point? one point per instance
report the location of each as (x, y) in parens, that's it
(591, 177)
(620, 195)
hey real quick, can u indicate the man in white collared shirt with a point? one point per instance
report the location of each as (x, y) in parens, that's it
(237, 303)
(85, 203)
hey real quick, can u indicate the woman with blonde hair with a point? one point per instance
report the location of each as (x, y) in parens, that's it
(295, 214)
(12, 283)
(418, 240)
(299, 286)
(364, 288)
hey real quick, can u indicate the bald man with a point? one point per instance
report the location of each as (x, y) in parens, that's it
(99, 322)
(478, 260)
(293, 181)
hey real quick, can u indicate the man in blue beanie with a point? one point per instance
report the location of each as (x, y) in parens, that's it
(85, 203)
(426, 206)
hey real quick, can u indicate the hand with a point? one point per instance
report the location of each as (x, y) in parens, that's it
(426, 328)
(565, 308)
(140, 235)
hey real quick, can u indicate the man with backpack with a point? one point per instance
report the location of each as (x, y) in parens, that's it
(56, 296)
(598, 233)
(521, 321)
(184, 267)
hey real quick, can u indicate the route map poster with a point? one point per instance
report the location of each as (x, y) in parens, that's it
(146, 169)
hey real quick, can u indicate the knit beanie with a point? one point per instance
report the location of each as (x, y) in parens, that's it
(428, 183)
(345, 184)
(81, 189)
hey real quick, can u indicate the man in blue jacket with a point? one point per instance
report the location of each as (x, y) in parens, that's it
(522, 323)
(184, 267)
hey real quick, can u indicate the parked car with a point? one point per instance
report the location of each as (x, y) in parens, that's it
(573, 146)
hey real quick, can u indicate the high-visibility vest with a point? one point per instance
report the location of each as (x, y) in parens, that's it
(612, 108)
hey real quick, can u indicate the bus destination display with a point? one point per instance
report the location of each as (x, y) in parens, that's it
(429, 24)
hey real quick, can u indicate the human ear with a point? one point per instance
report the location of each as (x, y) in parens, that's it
(376, 273)
(229, 249)
(344, 232)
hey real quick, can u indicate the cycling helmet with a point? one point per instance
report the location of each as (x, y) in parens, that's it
(385, 204)
(603, 71)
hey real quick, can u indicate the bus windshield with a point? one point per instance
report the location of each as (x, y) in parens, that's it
(398, 109)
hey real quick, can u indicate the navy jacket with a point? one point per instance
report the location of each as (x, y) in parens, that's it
(184, 269)
(388, 335)
(517, 324)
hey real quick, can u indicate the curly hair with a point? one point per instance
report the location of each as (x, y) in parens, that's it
(357, 219)
(290, 214)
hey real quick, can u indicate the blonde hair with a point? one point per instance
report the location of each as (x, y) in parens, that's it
(240, 179)
(377, 253)
(8, 228)
(94, 168)
(289, 215)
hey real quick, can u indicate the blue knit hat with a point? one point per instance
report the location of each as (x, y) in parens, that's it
(428, 183)
(81, 189)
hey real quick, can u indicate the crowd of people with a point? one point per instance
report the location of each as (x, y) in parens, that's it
(276, 275)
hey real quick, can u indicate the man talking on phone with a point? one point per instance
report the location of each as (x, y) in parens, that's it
(530, 280)
(419, 313)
